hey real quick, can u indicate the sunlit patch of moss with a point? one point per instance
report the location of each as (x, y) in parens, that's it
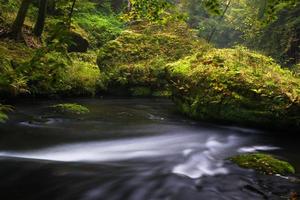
(69, 108)
(82, 76)
(263, 163)
(236, 85)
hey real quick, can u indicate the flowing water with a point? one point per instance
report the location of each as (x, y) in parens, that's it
(133, 149)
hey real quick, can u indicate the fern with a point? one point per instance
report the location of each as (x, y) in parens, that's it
(3, 110)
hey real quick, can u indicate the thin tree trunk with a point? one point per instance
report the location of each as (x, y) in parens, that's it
(128, 5)
(71, 13)
(222, 16)
(16, 29)
(39, 26)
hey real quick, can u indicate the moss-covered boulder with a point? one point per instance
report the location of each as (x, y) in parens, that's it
(79, 43)
(69, 108)
(263, 163)
(138, 57)
(236, 85)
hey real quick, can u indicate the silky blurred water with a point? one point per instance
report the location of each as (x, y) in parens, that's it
(135, 149)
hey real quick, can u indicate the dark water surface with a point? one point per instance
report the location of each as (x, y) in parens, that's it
(133, 149)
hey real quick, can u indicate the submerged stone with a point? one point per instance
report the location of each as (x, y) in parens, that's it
(69, 108)
(263, 163)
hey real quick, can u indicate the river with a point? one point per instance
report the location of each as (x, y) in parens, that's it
(133, 149)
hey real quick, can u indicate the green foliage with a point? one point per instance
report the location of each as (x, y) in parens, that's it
(270, 26)
(280, 39)
(83, 75)
(98, 27)
(51, 72)
(212, 6)
(296, 70)
(263, 163)
(11, 54)
(45, 71)
(236, 85)
(69, 108)
(3, 110)
(155, 10)
(88, 20)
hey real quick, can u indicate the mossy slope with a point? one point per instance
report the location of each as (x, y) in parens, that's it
(138, 57)
(47, 69)
(236, 85)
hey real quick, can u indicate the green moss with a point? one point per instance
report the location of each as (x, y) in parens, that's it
(83, 75)
(236, 85)
(69, 108)
(263, 163)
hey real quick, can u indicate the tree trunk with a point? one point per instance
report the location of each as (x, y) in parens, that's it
(16, 29)
(71, 13)
(39, 26)
(128, 5)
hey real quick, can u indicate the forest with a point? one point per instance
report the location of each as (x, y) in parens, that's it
(144, 100)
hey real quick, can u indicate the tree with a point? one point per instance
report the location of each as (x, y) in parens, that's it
(221, 17)
(16, 30)
(153, 10)
(40, 23)
(71, 13)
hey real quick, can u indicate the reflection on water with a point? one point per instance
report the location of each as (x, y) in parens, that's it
(130, 150)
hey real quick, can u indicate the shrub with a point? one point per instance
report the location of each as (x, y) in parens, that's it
(3, 110)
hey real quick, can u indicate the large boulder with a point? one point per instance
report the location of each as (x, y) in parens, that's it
(138, 57)
(236, 86)
(79, 43)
